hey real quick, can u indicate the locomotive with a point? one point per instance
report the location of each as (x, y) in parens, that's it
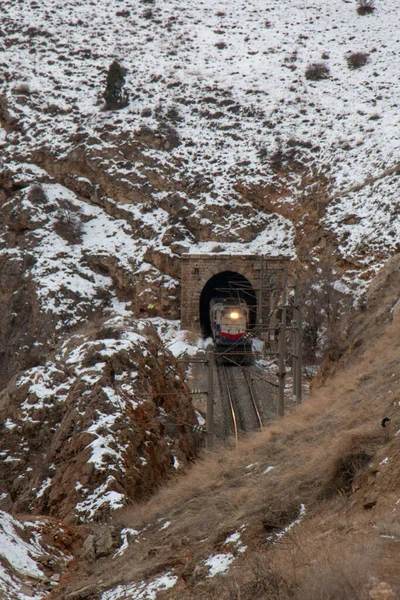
(229, 320)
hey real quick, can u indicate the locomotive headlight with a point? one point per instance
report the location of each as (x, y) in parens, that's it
(234, 315)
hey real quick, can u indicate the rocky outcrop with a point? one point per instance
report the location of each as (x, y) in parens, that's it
(103, 423)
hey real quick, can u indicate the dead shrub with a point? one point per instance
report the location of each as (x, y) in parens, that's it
(147, 14)
(262, 153)
(68, 226)
(173, 114)
(93, 356)
(22, 89)
(338, 573)
(317, 71)
(389, 526)
(262, 580)
(356, 60)
(326, 313)
(354, 452)
(365, 7)
(108, 333)
(114, 95)
(36, 194)
(193, 334)
(218, 248)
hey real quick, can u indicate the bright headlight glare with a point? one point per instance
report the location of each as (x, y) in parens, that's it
(234, 315)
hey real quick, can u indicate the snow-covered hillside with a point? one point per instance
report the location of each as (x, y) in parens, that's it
(225, 146)
(219, 109)
(30, 566)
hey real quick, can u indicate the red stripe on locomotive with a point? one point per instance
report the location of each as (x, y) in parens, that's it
(231, 337)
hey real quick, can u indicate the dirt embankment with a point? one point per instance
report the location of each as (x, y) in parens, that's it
(307, 509)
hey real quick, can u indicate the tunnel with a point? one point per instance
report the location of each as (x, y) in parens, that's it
(227, 284)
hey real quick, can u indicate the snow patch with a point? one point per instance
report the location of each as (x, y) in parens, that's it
(143, 590)
(219, 563)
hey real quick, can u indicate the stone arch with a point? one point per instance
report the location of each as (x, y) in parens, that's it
(264, 273)
(209, 273)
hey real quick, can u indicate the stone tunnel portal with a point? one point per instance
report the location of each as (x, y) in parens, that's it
(227, 284)
(204, 275)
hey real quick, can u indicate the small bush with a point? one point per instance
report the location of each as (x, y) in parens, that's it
(365, 7)
(36, 194)
(147, 14)
(114, 96)
(22, 89)
(68, 226)
(93, 356)
(356, 60)
(277, 159)
(262, 153)
(317, 71)
(173, 115)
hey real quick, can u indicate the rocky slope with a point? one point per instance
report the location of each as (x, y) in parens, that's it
(308, 509)
(101, 423)
(225, 145)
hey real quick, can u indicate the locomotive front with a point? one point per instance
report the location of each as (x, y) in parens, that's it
(229, 324)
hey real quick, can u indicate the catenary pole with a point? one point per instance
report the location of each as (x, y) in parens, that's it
(210, 401)
(282, 350)
(299, 329)
(295, 344)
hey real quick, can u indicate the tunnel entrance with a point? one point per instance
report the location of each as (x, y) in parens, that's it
(227, 284)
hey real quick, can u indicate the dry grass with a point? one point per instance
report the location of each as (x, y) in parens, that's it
(193, 334)
(325, 455)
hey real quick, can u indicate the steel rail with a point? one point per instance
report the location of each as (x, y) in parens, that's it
(253, 398)
(233, 413)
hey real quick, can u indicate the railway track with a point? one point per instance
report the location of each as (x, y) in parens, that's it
(252, 396)
(241, 407)
(231, 405)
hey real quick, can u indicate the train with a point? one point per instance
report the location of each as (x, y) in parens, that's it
(229, 319)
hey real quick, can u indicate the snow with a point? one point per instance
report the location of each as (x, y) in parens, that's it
(98, 498)
(219, 563)
(126, 534)
(45, 485)
(20, 552)
(16, 551)
(108, 452)
(277, 536)
(268, 469)
(166, 525)
(200, 419)
(233, 105)
(278, 239)
(175, 338)
(235, 540)
(141, 591)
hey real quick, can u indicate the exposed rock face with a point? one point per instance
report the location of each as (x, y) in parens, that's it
(103, 422)
(51, 279)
